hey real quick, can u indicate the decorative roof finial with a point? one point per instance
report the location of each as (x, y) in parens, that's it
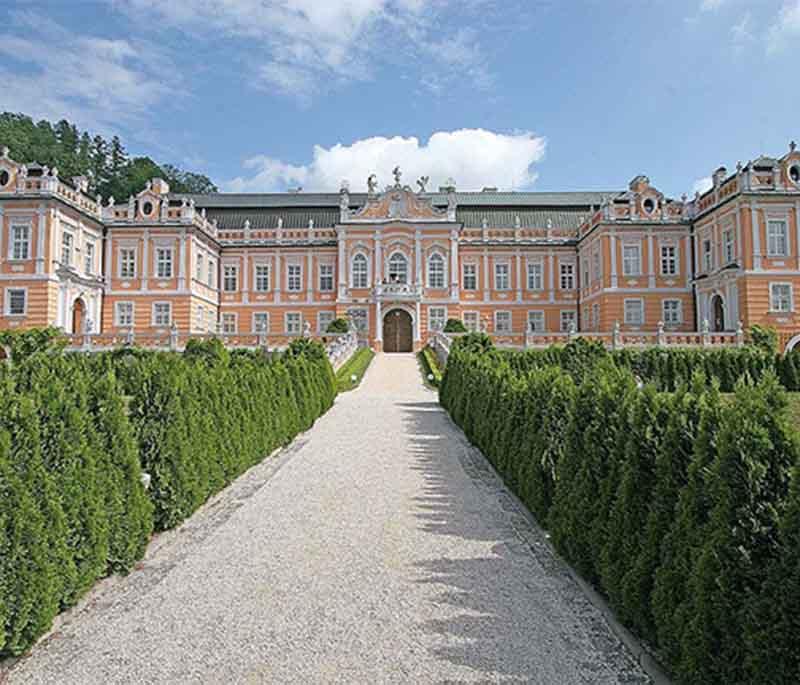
(792, 146)
(397, 174)
(422, 181)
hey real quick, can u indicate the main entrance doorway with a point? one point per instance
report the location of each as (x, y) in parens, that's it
(398, 331)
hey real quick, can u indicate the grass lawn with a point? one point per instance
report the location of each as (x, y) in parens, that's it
(429, 364)
(355, 366)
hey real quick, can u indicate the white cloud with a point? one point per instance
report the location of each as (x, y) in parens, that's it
(786, 28)
(741, 32)
(96, 82)
(473, 157)
(711, 5)
(702, 185)
(300, 47)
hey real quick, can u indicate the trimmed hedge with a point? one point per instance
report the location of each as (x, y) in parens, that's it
(430, 366)
(669, 368)
(683, 508)
(356, 366)
(77, 431)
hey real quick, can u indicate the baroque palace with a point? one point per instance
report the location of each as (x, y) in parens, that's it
(399, 262)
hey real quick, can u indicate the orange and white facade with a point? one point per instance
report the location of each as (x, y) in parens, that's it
(400, 263)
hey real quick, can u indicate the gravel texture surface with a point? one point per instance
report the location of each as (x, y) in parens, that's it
(378, 548)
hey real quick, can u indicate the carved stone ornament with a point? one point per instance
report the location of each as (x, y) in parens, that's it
(399, 203)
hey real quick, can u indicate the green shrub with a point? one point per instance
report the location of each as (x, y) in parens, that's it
(764, 338)
(430, 366)
(338, 326)
(454, 326)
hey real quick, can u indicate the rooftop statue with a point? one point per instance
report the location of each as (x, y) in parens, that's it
(397, 174)
(372, 183)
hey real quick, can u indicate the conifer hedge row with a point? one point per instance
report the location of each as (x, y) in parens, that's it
(683, 508)
(77, 432)
(669, 368)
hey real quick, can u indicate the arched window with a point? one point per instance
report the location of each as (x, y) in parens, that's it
(436, 271)
(398, 268)
(358, 274)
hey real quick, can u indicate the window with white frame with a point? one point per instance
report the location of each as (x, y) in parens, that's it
(294, 323)
(212, 274)
(727, 245)
(634, 312)
(470, 276)
(359, 271)
(359, 318)
(631, 260)
(211, 320)
(326, 278)
(200, 317)
(777, 238)
(398, 268)
(16, 301)
(568, 318)
(20, 242)
(437, 317)
(436, 276)
(596, 265)
(585, 264)
(471, 321)
(501, 276)
(162, 313)
(262, 278)
(127, 262)
(324, 320)
(294, 278)
(123, 313)
(780, 297)
(229, 322)
(502, 322)
(671, 312)
(596, 317)
(669, 260)
(708, 256)
(163, 262)
(89, 258)
(567, 276)
(535, 278)
(230, 278)
(260, 322)
(198, 267)
(536, 321)
(67, 243)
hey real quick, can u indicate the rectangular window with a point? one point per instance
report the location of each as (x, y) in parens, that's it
(567, 321)
(470, 277)
(567, 272)
(230, 278)
(471, 321)
(631, 260)
(198, 267)
(229, 323)
(437, 317)
(20, 242)
(260, 322)
(359, 318)
(200, 318)
(671, 312)
(212, 274)
(669, 260)
(436, 275)
(585, 264)
(127, 263)
(326, 278)
(536, 321)
(294, 323)
(123, 313)
(162, 313)
(708, 256)
(262, 278)
(596, 265)
(294, 278)
(324, 320)
(502, 322)
(89, 258)
(67, 242)
(777, 239)
(727, 243)
(634, 312)
(534, 276)
(501, 276)
(163, 262)
(596, 317)
(780, 297)
(16, 301)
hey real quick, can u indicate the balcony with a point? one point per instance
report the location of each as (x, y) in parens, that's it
(397, 292)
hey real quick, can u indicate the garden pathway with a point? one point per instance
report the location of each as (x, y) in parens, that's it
(378, 548)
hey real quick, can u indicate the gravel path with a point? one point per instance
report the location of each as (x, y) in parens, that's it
(378, 548)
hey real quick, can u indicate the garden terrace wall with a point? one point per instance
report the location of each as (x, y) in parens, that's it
(77, 433)
(681, 507)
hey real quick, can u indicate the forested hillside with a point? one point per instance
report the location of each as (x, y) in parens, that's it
(111, 171)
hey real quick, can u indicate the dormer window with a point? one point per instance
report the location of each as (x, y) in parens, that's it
(794, 174)
(5, 177)
(649, 205)
(147, 208)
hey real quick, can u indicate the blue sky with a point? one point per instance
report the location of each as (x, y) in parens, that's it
(545, 95)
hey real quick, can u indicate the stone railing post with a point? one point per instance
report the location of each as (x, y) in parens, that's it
(129, 336)
(661, 339)
(705, 334)
(739, 334)
(173, 337)
(616, 337)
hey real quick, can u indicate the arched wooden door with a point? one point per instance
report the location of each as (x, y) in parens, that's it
(398, 331)
(718, 312)
(78, 316)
